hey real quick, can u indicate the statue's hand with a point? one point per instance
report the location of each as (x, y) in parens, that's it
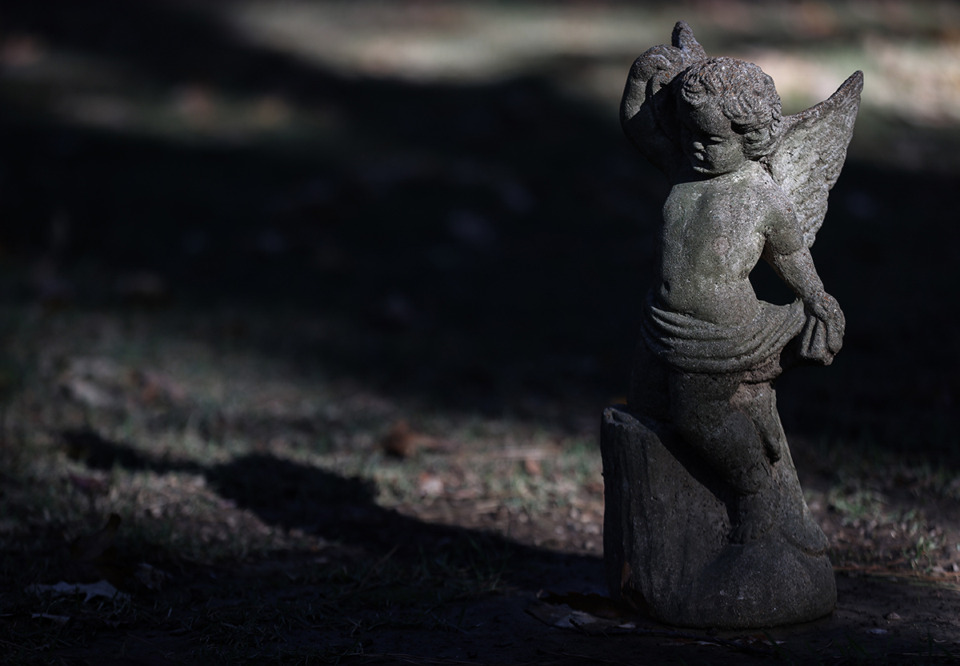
(823, 334)
(656, 61)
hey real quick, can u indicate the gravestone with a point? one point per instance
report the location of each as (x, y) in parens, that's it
(705, 522)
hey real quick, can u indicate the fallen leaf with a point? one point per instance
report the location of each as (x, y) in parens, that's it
(196, 104)
(563, 617)
(94, 382)
(90, 394)
(158, 388)
(430, 485)
(21, 50)
(271, 111)
(58, 619)
(401, 441)
(90, 591)
(91, 486)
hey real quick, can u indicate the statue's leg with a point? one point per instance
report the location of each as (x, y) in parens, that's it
(727, 440)
(759, 401)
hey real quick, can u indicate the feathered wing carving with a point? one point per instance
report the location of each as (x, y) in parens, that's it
(807, 160)
(646, 110)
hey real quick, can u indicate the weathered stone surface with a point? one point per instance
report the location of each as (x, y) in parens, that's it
(706, 523)
(665, 538)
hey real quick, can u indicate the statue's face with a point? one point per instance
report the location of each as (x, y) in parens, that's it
(709, 141)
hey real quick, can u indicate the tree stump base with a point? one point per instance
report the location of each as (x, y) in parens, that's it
(666, 538)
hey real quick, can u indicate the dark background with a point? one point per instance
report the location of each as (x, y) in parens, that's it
(486, 239)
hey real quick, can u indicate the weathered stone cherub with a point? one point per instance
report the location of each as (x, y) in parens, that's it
(747, 184)
(704, 519)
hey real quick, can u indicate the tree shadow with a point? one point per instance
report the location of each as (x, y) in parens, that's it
(343, 511)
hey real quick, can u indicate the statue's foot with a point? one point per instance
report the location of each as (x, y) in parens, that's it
(806, 535)
(755, 514)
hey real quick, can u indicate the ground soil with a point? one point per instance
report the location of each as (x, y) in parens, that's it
(550, 608)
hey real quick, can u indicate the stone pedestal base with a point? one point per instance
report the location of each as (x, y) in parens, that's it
(666, 545)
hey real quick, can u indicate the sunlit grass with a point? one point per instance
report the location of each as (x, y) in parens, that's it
(582, 50)
(221, 411)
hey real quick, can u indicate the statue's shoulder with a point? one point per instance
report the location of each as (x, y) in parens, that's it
(765, 183)
(752, 180)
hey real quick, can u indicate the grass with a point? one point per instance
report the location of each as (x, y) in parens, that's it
(252, 516)
(231, 480)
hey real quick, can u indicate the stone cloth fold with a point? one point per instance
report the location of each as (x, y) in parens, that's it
(693, 345)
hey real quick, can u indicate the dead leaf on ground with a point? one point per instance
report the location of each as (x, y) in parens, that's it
(94, 382)
(401, 441)
(56, 619)
(88, 485)
(158, 388)
(22, 50)
(430, 485)
(101, 588)
(532, 467)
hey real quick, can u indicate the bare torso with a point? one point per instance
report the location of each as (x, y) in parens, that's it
(714, 232)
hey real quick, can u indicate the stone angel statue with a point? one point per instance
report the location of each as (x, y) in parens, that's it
(747, 184)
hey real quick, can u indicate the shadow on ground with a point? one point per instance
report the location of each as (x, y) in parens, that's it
(343, 510)
(388, 587)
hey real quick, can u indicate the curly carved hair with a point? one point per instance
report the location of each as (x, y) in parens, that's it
(746, 96)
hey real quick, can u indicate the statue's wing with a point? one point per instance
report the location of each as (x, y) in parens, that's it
(811, 151)
(646, 111)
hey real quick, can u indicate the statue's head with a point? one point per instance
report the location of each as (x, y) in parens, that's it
(725, 96)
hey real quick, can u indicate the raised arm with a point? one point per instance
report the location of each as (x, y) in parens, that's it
(646, 113)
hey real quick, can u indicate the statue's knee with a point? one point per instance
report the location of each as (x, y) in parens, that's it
(727, 440)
